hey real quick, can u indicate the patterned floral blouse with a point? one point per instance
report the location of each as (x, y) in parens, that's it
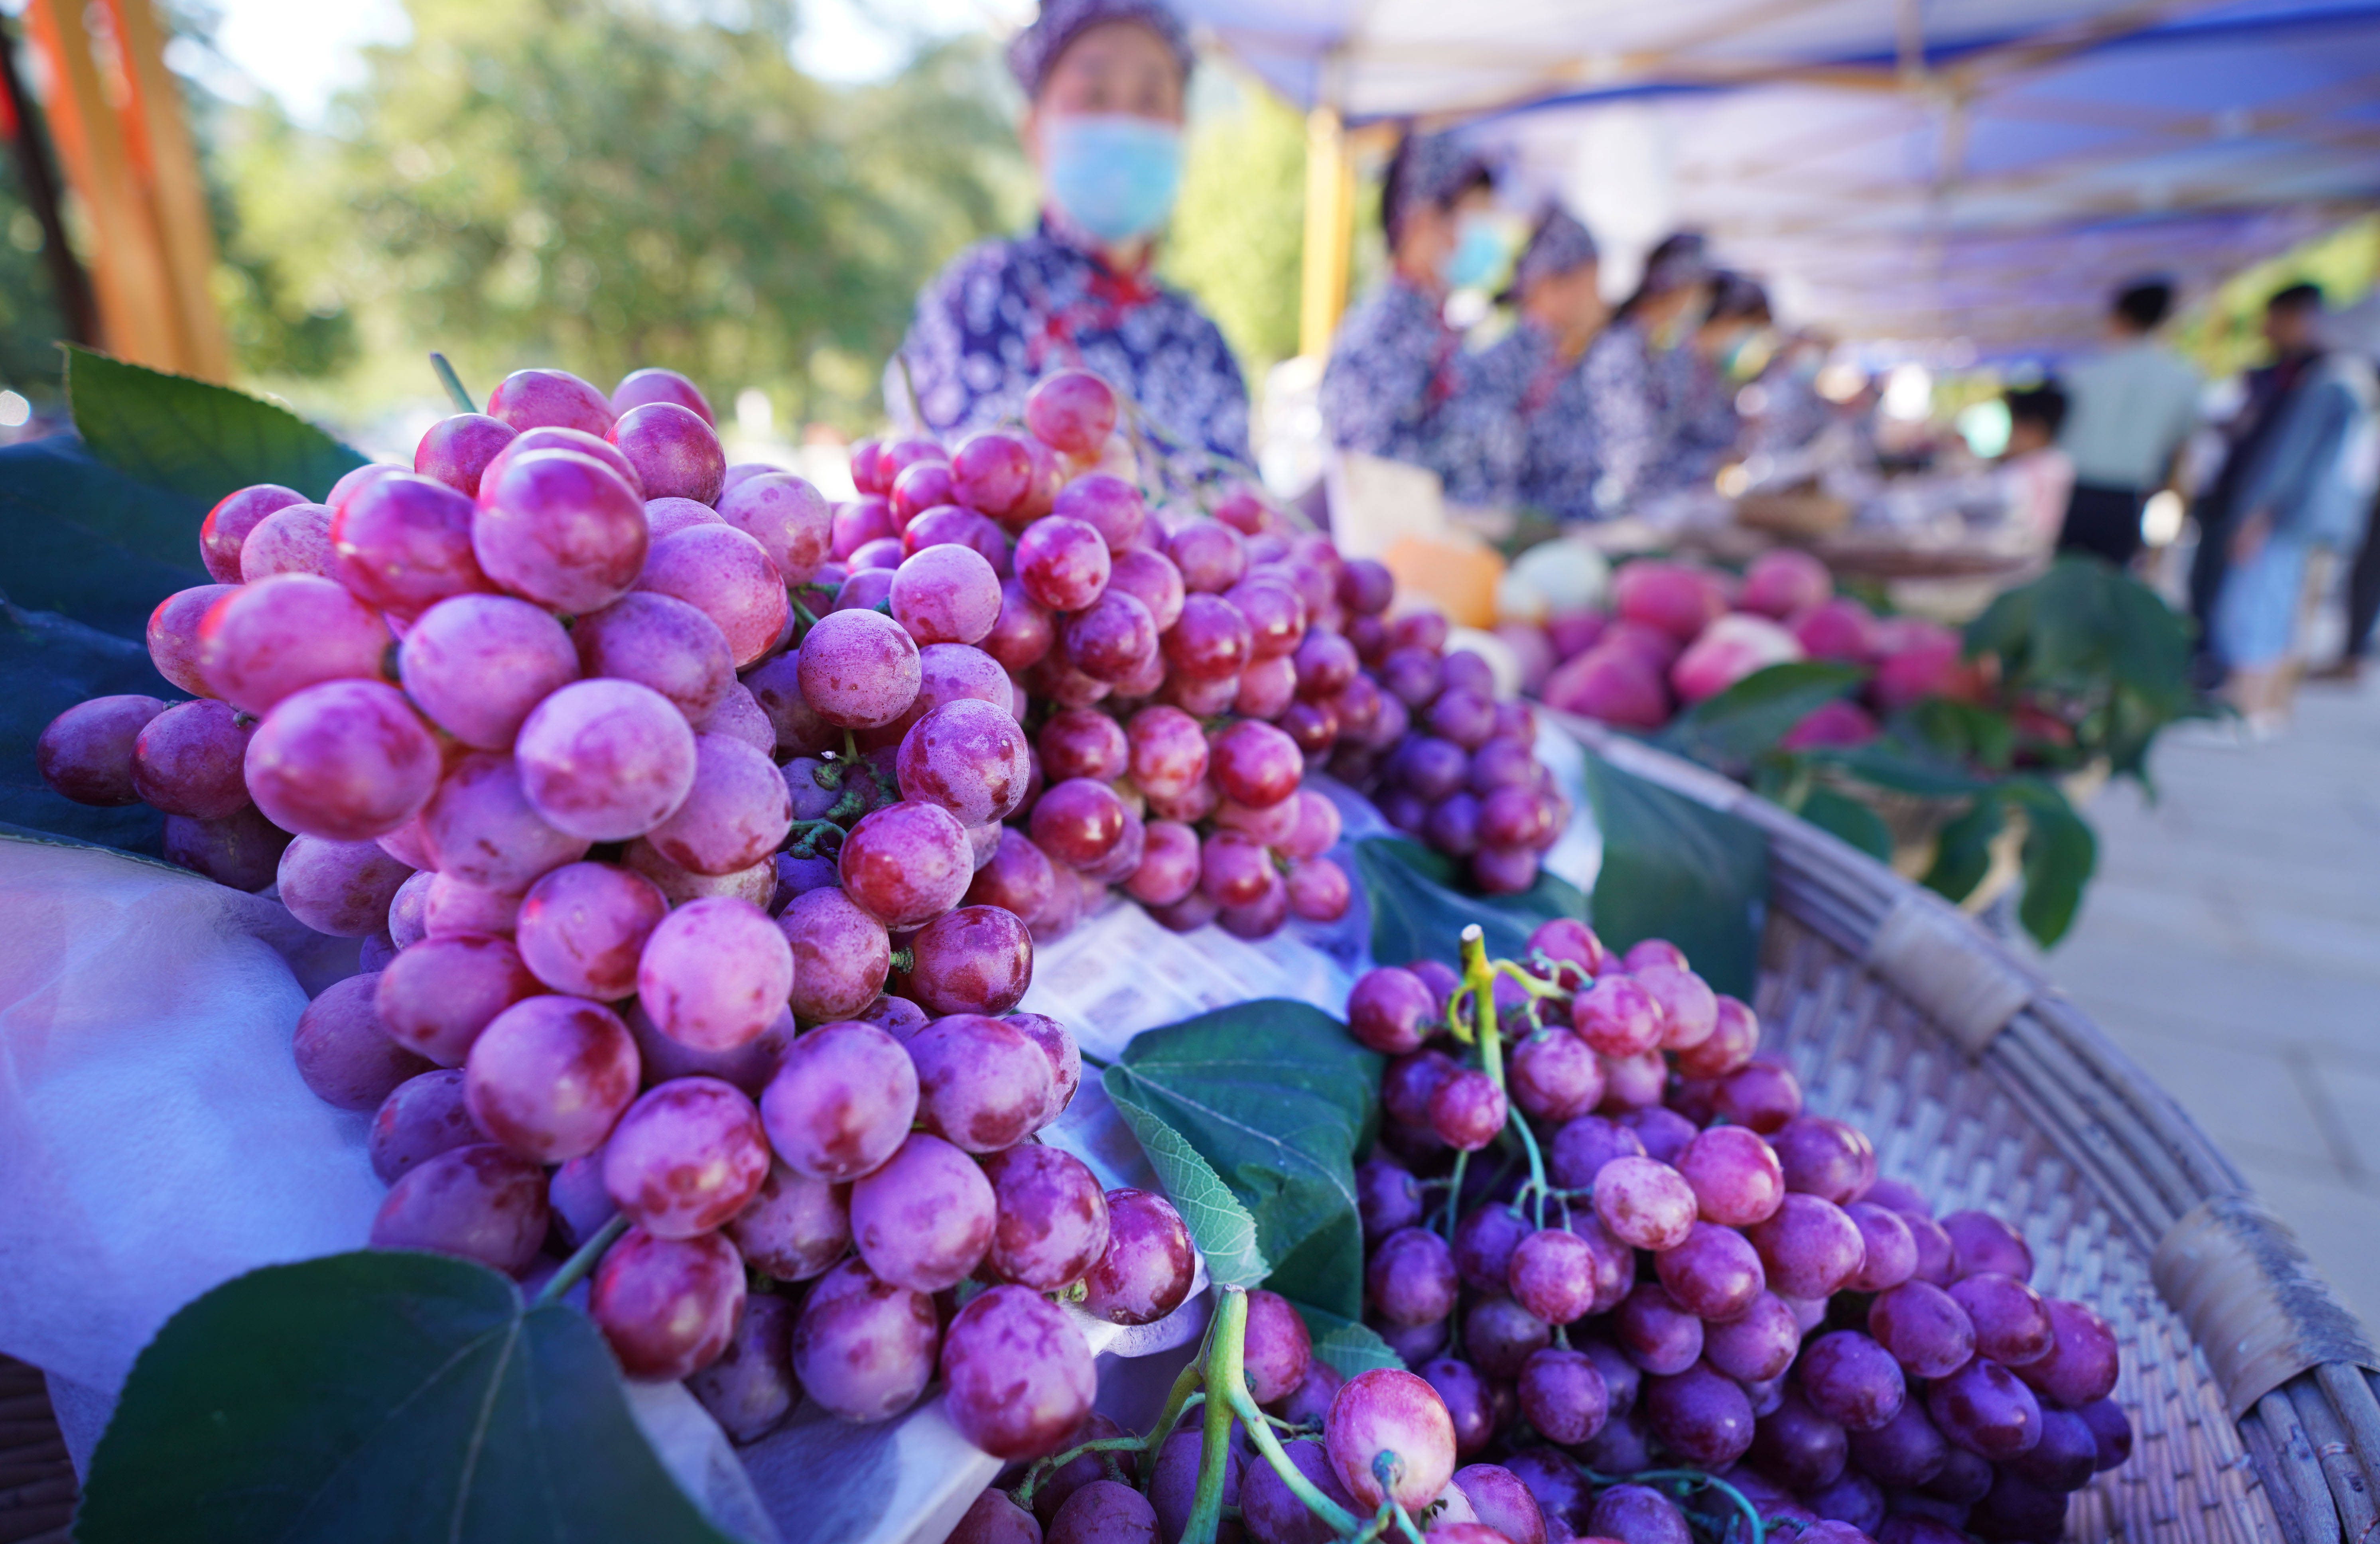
(1004, 314)
(1400, 386)
(1588, 432)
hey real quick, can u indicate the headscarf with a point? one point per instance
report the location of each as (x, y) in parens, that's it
(1429, 169)
(1033, 51)
(1559, 245)
(1736, 296)
(1679, 262)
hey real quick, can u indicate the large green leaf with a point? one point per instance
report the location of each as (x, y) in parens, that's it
(2059, 856)
(1754, 714)
(1418, 914)
(1849, 819)
(79, 538)
(372, 1398)
(1679, 869)
(1219, 1224)
(1962, 850)
(1277, 1099)
(194, 439)
(47, 664)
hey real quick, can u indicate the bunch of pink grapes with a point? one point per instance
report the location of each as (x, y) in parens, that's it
(664, 883)
(1681, 1270)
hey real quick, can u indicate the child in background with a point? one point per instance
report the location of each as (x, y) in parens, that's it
(2035, 477)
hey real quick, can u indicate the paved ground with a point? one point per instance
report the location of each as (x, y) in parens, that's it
(2231, 944)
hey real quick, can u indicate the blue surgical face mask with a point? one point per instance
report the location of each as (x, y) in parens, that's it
(1112, 175)
(1478, 252)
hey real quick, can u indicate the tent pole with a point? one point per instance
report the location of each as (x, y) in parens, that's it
(1330, 222)
(38, 180)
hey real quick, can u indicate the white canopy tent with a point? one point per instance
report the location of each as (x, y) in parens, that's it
(1981, 170)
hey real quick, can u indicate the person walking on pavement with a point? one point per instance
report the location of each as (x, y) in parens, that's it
(2130, 408)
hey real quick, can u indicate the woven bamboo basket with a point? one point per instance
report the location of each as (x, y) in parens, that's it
(2249, 1386)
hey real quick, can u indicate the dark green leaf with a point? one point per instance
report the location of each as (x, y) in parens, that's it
(1902, 769)
(1850, 820)
(2059, 854)
(1418, 914)
(1679, 869)
(1758, 711)
(84, 540)
(1963, 854)
(1277, 1097)
(1219, 1224)
(48, 664)
(377, 1396)
(1346, 1346)
(194, 439)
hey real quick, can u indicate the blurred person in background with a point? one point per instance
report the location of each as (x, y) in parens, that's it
(1397, 369)
(1624, 369)
(2360, 326)
(1702, 426)
(2035, 473)
(2292, 317)
(1105, 80)
(2131, 406)
(2305, 482)
(1530, 378)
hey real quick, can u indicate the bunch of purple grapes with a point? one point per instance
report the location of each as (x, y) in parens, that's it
(1610, 1241)
(1449, 763)
(1176, 681)
(631, 920)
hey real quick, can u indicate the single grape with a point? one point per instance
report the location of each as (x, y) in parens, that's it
(1554, 1077)
(786, 516)
(1797, 1446)
(543, 437)
(1985, 1242)
(992, 1518)
(477, 1201)
(343, 1053)
(535, 398)
(1077, 821)
(969, 757)
(239, 850)
(293, 539)
(1170, 867)
(1735, 1035)
(795, 1227)
(1022, 633)
(1062, 564)
(476, 665)
(1148, 1265)
(973, 960)
(1384, 1411)
(226, 529)
(2110, 1429)
(858, 669)
(1656, 1332)
(173, 634)
(1701, 1416)
(640, 386)
(1073, 411)
(1809, 1248)
(1905, 1452)
(1552, 1273)
(925, 1216)
(1646, 1204)
(561, 529)
(1757, 1344)
(2081, 1363)
(1018, 1375)
(1485, 1243)
(1470, 1402)
(1937, 1256)
(188, 759)
(422, 1117)
(1714, 1274)
(1563, 1396)
(1852, 1380)
(735, 814)
(727, 576)
(1018, 877)
(1888, 1250)
(946, 594)
(660, 641)
(1985, 1409)
(1411, 1278)
(87, 753)
(842, 1101)
(668, 1306)
(1923, 1327)
(262, 642)
(907, 863)
(1255, 764)
(1111, 640)
(1319, 890)
(917, 487)
(673, 448)
(1276, 1515)
(1499, 1335)
(550, 1075)
(344, 889)
(483, 827)
(841, 955)
(438, 995)
(1762, 1095)
(1618, 1016)
(581, 929)
(750, 1390)
(1825, 1158)
(1259, 919)
(606, 761)
(864, 1347)
(982, 1085)
(1052, 1221)
(715, 973)
(685, 1158)
(404, 543)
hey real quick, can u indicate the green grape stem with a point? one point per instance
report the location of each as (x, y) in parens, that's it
(1479, 976)
(452, 382)
(582, 1262)
(1226, 1345)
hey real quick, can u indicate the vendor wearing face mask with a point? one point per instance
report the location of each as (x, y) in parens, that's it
(1105, 79)
(1625, 367)
(1531, 376)
(1397, 371)
(1701, 380)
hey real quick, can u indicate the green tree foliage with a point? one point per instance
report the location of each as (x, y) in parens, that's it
(1239, 234)
(29, 320)
(605, 185)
